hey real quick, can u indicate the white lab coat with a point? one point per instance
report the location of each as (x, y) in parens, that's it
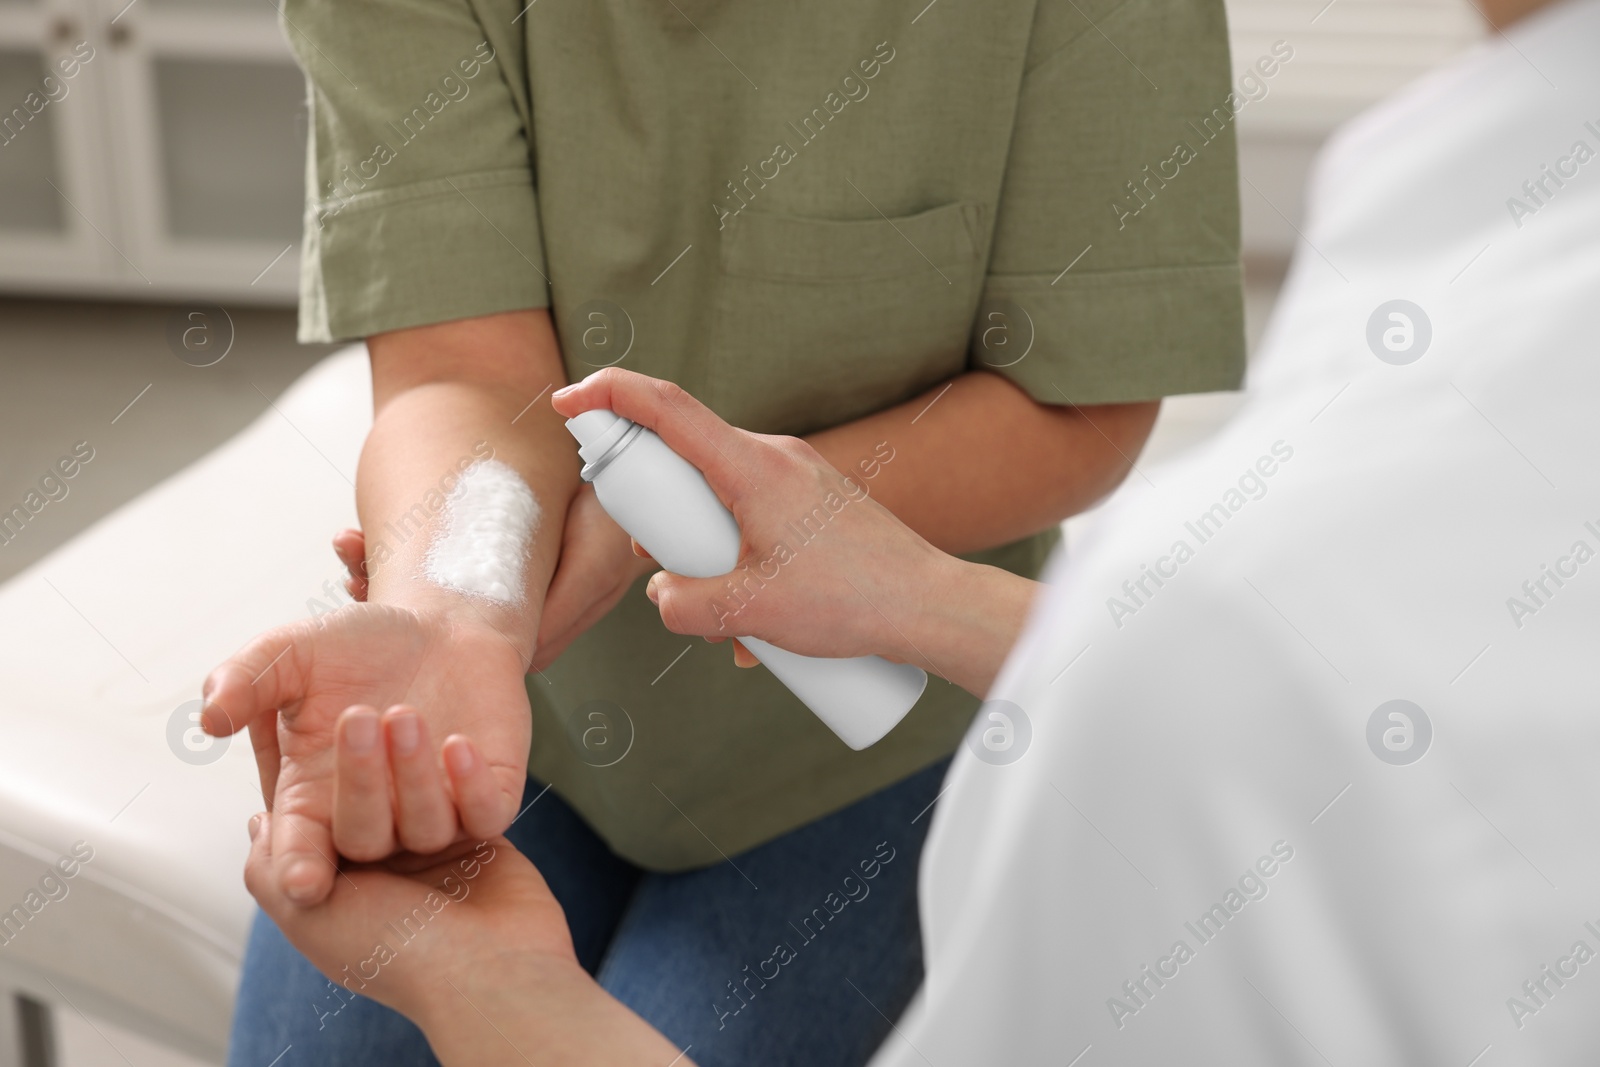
(1216, 728)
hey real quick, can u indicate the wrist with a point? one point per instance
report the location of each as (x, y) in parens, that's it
(521, 1004)
(468, 618)
(967, 620)
(451, 1006)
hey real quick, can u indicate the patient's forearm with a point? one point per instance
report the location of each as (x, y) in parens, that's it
(978, 462)
(447, 398)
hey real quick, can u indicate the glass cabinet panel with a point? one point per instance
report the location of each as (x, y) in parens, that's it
(29, 155)
(232, 148)
(209, 5)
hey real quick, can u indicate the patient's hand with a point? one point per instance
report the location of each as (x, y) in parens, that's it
(597, 566)
(350, 545)
(455, 938)
(291, 684)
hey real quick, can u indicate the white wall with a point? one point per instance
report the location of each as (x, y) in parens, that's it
(1348, 54)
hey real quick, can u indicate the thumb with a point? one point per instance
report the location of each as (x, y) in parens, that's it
(266, 674)
(704, 607)
(303, 863)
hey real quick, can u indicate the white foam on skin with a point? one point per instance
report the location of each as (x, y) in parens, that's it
(489, 519)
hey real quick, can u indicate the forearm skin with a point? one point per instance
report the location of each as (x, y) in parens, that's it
(445, 397)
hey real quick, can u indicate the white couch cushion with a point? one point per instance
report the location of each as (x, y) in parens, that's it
(100, 642)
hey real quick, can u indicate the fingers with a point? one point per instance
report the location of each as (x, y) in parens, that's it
(351, 548)
(391, 794)
(258, 679)
(558, 628)
(363, 819)
(425, 817)
(723, 453)
(742, 657)
(258, 877)
(549, 648)
(567, 603)
(593, 574)
(302, 852)
(701, 607)
(246, 691)
(479, 800)
(260, 871)
(264, 742)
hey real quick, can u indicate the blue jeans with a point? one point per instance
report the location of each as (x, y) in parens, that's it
(807, 969)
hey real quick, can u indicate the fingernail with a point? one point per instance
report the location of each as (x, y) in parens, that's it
(460, 758)
(211, 713)
(563, 391)
(403, 732)
(300, 882)
(650, 589)
(254, 825)
(361, 733)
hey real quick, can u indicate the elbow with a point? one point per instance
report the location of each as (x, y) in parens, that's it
(1109, 439)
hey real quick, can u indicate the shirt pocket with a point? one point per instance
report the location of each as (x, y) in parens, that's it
(818, 322)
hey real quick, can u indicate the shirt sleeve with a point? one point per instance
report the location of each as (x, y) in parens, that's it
(1114, 271)
(420, 204)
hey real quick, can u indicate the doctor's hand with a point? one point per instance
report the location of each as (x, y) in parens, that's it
(439, 677)
(824, 570)
(456, 907)
(450, 938)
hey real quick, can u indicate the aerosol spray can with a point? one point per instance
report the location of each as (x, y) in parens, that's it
(665, 504)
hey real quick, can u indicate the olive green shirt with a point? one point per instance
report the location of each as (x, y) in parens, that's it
(803, 213)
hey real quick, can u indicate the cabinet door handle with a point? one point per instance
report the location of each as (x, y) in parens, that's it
(63, 30)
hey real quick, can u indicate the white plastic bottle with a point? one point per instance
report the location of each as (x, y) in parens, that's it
(664, 503)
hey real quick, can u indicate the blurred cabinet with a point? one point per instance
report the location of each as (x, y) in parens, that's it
(152, 147)
(170, 163)
(48, 149)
